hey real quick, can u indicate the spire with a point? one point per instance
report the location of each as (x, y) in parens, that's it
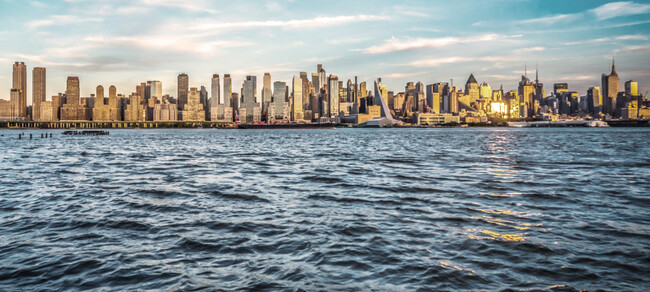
(536, 74)
(471, 79)
(613, 68)
(526, 69)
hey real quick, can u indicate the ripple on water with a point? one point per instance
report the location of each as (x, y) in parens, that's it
(342, 209)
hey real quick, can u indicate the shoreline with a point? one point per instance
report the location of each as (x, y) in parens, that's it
(90, 125)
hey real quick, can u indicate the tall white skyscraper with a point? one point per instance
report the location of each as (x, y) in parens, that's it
(297, 114)
(156, 89)
(227, 90)
(333, 96)
(215, 94)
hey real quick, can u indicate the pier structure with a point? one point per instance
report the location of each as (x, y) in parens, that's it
(111, 125)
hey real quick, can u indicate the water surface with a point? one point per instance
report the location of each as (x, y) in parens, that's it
(341, 209)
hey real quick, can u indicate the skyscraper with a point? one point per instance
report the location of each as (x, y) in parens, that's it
(194, 109)
(611, 85)
(333, 92)
(594, 100)
(227, 91)
(73, 110)
(72, 90)
(215, 91)
(433, 98)
(250, 110)
(156, 89)
(266, 93)
(471, 89)
(279, 109)
(20, 83)
(560, 88)
(296, 111)
(38, 92)
(183, 89)
(526, 94)
(631, 88)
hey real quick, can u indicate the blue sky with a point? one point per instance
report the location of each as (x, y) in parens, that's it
(124, 43)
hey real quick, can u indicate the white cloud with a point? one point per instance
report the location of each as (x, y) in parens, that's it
(273, 7)
(168, 42)
(395, 45)
(633, 50)
(193, 6)
(402, 75)
(623, 8)
(61, 20)
(635, 37)
(532, 49)
(441, 61)
(549, 20)
(297, 23)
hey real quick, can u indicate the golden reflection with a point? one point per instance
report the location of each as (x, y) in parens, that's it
(497, 236)
(504, 237)
(506, 195)
(450, 265)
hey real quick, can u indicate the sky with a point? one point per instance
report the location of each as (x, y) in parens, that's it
(126, 42)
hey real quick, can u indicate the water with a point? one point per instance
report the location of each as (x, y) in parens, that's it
(342, 209)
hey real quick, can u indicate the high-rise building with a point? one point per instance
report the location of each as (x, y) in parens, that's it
(279, 106)
(471, 89)
(193, 110)
(73, 110)
(611, 85)
(526, 94)
(227, 91)
(215, 93)
(156, 89)
(296, 111)
(266, 93)
(322, 78)
(250, 110)
(205, 101)
(631, 88)
(485, 91)
(20, 83)
(38, 92)
(560, 88)
(333, 94)
(433, 98)
(594, 100)
(72, 90)
(183, 87)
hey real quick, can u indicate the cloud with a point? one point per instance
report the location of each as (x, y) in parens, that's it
(636, 37)
(532, 49)
(352, 40)
(623, 8)
(452, 60)
(319, 21)
(395, 45)
(192, 6)
(549, 20)
(402, 75)
(61, 20)
(273, 7)
(408, 11)
(167, 43)
(441, 61)
(633, 50)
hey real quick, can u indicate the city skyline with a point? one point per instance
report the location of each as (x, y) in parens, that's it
(416, 41)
